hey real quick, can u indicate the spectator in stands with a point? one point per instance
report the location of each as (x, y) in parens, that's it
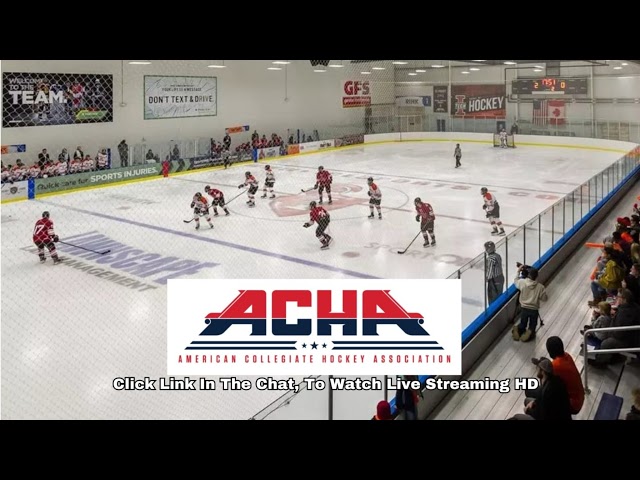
(602, 319)
(79, 154)
(634, 413)
(291, 141)
(102, 160)
(149, 156)
(634, 225)
(175, 157)
(552, 401)
(514, 128)
(64, 156)
(627, 314)
(43, 158)
(407, 400)
(227, 142)
(611, 278)
(565, 368)
(632, 282)
(254, 136)
(123, 151)
(383, 411)
(635, 246)
(531, 294)
(493, 272)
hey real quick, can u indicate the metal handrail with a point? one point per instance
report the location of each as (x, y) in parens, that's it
(610, 350)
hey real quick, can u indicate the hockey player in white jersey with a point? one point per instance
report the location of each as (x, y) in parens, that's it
(492, 209)
(375, 198)
(269, 182)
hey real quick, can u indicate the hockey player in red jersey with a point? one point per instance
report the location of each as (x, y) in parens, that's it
(492, 208)
(269, 182)
(323, 181)
(426, 217)
(375, 198)
(217, 200)
(251, 182)
(200, 209)
(320, 216)
(45, 236)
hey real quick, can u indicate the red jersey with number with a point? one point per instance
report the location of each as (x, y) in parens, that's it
(426, 212)
(43, 231)
(318, 214)
(324, 178)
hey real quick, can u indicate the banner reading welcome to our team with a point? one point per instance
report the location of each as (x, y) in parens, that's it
(178, 97)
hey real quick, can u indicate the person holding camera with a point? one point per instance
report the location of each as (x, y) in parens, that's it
(531, 294)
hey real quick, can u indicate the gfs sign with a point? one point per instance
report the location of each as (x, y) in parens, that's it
(356, 94)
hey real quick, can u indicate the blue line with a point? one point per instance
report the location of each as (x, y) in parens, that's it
(387, 348)
(430, 342)
(240, 348)
(223, 243)
(242, 343)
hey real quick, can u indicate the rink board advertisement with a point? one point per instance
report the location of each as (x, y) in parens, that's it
(14, 191)
(41, 99)
(90, 179)
(479, 101)
(315, 146)
(314, 327)
(179, 97)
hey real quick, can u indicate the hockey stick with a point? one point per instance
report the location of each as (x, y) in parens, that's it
(87, 249)
(307, 190)
(241, 193)
(414, 239)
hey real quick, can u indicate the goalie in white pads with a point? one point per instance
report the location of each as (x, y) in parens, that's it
(375, 198)
(269, 182)
(503, 138)
(200, 209)
(492, 209)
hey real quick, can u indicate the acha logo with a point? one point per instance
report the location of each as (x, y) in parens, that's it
(292, 205)
(320, 327)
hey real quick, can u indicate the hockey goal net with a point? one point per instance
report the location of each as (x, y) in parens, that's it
(497, 143)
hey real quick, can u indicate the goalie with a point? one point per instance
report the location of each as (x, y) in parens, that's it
(503, 138)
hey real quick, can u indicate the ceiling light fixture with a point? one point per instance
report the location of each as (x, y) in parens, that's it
(413, 74)
(319, 70)
(139, 62)
(437, 65)
(399, 62)
(617, 68)
(624, 64)
(274, 68)
(465, 73)
(378, 68)
(365, 73)
(281, 62)
(474, 69)
(537, 70)
(510, 63)
(421, 71)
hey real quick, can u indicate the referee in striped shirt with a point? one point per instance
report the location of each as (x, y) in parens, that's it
(493, 272)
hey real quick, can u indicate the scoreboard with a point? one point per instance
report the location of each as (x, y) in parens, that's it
(550, 86)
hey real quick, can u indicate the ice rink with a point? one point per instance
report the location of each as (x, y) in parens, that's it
(69, 330)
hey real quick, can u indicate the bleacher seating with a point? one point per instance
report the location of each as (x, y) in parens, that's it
(609, 407)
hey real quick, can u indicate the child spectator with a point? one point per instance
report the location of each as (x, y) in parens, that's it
(602, 319)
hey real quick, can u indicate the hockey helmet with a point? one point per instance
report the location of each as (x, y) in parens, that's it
(312, 205)
(198, 194)
(247, 174)
(370, 180)
(267, 167)
(417, 200)
(45, 214)
(320, 168)
(207, 188)
(490, 247)
(483, 190)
